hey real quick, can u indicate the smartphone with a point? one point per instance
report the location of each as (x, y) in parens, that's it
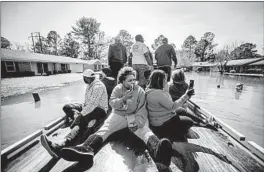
(191, 83)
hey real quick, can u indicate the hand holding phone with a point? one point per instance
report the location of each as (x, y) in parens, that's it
(191, 83)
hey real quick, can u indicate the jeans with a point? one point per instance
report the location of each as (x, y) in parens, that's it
(116, 122)
(96, 114)
(141, 69)
(167, 70)
(115, 67)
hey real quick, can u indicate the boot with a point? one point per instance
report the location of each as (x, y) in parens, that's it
(84, 152)
(54, 148)
(160, 150)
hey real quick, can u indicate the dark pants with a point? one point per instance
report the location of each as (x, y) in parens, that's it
(96, 114)
(177, 127)
(115, 67)
(167, 70)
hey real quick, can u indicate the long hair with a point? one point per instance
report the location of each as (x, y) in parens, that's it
(156, 79)
(124, 72)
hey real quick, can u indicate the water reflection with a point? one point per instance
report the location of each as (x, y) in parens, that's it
(237, 94)
(38, 104)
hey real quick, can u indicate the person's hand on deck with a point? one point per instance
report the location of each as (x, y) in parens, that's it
(133, 126)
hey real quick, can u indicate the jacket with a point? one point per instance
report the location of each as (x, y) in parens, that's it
(164, 54)
(176, 90)
(135, 106)
(160, 106)
(117, 53)
(95, 96)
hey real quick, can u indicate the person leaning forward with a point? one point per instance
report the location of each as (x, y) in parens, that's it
(128, 104)
(94, 107)
(164, 54)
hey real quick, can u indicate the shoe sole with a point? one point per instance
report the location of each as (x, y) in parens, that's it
(69, 154)
(166, 152)
(45, 144)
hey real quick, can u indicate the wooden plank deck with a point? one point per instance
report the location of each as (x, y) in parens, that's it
(205, 151)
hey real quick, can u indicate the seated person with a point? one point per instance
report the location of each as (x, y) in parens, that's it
(108, 80)
(95, 107)
(178, 86)
(128, 104)
(163, 116)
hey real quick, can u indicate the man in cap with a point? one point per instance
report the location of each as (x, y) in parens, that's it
(117, 56)
(164, 54)
(94, 109)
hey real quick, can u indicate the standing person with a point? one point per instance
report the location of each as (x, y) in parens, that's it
(117, 56)
(141, 59)
(128, 104)
(164, 54)
(94, 108)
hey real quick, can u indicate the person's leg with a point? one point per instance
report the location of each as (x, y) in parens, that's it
(69, 110)
(90, 147)
(141, 69)
(184, 112)
(160, 149)
(169, 73)
(77, 128)
(185, 124)
(115, 67)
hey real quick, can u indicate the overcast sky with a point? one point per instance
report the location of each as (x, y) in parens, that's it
(229, 21)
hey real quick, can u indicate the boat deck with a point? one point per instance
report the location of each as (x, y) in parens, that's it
(206, 150)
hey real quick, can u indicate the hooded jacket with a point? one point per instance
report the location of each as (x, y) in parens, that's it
(117, 53)
(136, 105)
(177, 90)
(160, 106)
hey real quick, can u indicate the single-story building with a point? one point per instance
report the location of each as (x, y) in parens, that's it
(205, 66)
(241, 65)
(17, 63)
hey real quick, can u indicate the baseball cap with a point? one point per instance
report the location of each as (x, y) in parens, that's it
(89, 73)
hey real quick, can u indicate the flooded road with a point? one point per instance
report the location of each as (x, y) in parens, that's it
(244, 111)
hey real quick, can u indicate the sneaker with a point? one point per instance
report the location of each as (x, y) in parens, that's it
(51, 148)
(78, 153)
(164, 152)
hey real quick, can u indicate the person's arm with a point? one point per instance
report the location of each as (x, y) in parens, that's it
(146, 55)
(93, 99)
(174, 58)
(166, 102)
(125, 55)
(110, 54)
(117, 101)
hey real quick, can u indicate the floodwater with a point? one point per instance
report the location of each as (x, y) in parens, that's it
(21, 116)
(244, 111)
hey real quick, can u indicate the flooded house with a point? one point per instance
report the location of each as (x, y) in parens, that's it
(18, 64)
(242, 65)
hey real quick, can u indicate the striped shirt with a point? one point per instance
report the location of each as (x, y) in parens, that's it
(95, 96)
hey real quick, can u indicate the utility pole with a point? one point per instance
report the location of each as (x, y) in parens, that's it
(36, 35)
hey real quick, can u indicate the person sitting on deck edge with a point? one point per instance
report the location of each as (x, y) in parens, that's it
(163, 112)
(94, 108)
(128, 104)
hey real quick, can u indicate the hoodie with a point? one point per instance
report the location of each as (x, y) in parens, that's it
(135, 106)
(177, 90)
(160, 106)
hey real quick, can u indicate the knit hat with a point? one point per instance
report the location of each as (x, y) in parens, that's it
(107, 72)
(178, 76)
(89, 73)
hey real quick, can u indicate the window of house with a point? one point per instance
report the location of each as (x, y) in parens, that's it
(10, 66)
(95, 67)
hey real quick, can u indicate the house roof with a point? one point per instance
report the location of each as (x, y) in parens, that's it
(257, 63)
(13, 55)
(94, 61)
(241, 62)
(203, 64)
